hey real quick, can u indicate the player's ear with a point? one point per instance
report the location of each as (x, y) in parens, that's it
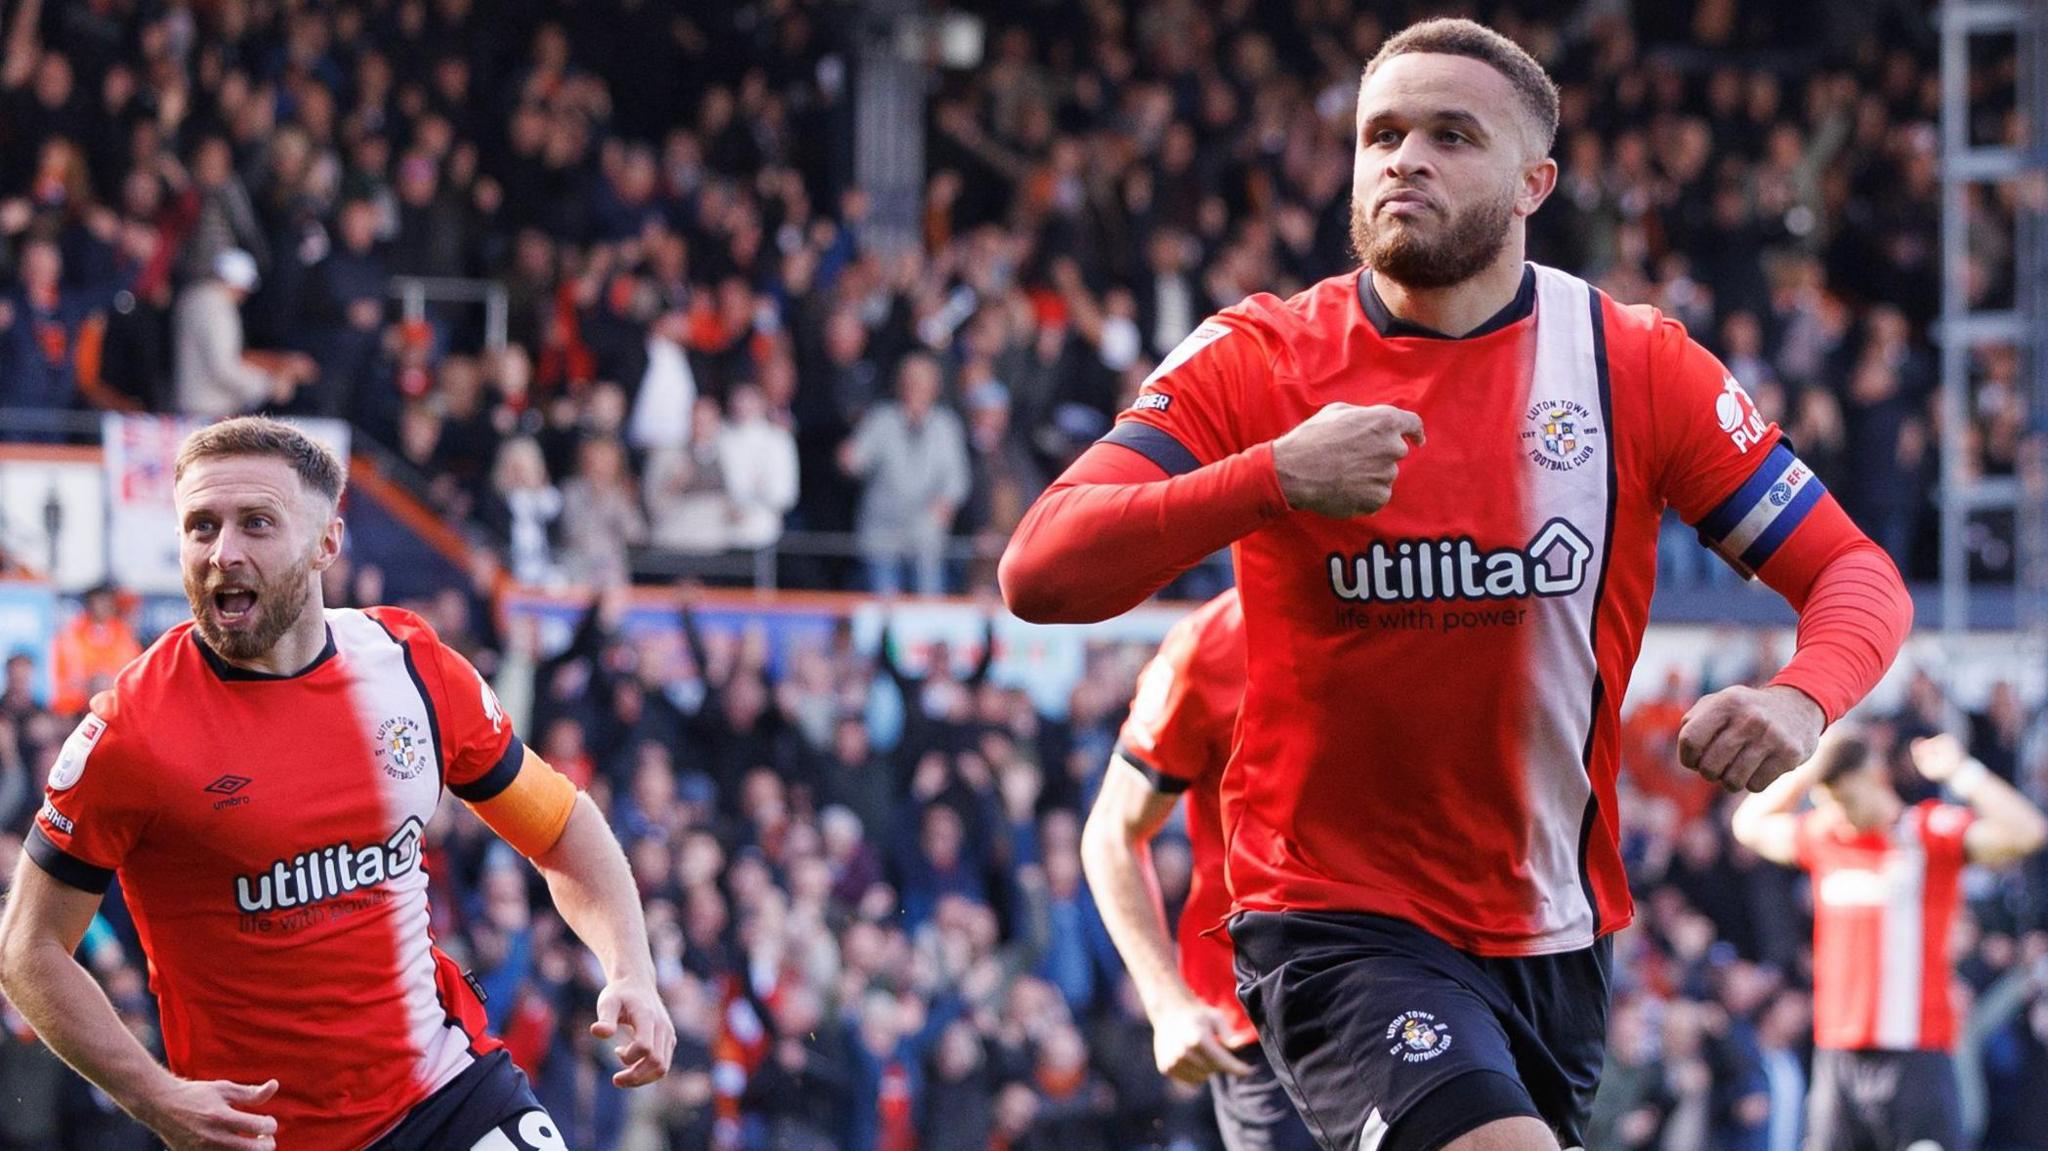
(1539, 180)
(327, 548)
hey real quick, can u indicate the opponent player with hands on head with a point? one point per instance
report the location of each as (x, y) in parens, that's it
(1887, 879)
(1177, 739)
(260, 779)
(1442, 476)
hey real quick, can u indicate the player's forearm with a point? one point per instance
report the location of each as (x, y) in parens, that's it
(594, 892)
(1854, 615)
(1115, 529)
(1126, 891)
(2022, 829)
(1764, 822)
(73, 1017)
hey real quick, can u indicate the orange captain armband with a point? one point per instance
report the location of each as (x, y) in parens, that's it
(524, 800)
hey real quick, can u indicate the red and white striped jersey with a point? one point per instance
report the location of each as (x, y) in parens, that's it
(268, 834)
(1178, 733)
(1883, 902)
(1432, 726)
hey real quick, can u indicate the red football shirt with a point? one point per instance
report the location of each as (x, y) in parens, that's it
(268, 835)
(1431, 724)
(1178, 733)
(1883, 902)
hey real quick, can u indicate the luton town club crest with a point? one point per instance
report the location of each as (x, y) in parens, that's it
(402, 748)
(1559, 434)
(1418, 1037)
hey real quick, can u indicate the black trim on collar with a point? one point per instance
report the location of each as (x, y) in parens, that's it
(1387, 324)
(233, 674)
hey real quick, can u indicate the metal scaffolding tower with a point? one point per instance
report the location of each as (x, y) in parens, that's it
(1968, 28)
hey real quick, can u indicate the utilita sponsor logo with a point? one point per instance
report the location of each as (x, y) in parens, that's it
(1456, 568)
(328, 872)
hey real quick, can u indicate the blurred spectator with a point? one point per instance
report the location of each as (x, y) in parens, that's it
(663, 406)
(45, 332)
(689, 506)
(759, 459)
(1785, 1035)
(911, 457)
(1884, 385)
(215, 377)
(91, 649)
(224, 218)
(601, 515)
(344, 303)
(524, 508)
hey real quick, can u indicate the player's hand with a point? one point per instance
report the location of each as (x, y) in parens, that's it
(634, 1005)
(1745, 737)
(1187, 1043)
(1342, 461)
(214, 1115)
(1939, 756)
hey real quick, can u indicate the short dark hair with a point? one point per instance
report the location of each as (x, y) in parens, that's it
(1454, 37)
(1840, 756)
(318, 467)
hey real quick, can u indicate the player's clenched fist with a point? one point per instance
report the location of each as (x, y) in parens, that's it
(1745, 737)
(1342, 461)
(212, 1116)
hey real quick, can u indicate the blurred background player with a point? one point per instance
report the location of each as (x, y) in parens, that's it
(1442, 670)
(1177, 739)
(261, 779)
(1886, 884)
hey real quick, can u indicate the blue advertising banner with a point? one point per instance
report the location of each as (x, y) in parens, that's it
(28, 624)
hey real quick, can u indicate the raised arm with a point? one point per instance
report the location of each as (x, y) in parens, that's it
(2008, 827)
(23, 46)
(1116, 855)
(1765, 822)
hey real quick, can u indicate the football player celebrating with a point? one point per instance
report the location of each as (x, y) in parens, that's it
(1420, 803)
(1887, 879)
(260, 780)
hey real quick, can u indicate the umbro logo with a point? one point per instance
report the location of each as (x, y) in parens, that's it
(228, 785)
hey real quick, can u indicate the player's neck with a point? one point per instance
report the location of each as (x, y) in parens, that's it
(296, 649)
(1463, 306)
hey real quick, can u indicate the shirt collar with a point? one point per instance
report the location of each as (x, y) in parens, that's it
(233, 674)
(1390, 326)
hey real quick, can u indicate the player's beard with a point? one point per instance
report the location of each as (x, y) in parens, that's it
(1471, 240)
(280, 603)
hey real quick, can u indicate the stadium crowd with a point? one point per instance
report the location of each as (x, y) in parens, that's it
(862, 872)
(703, 345)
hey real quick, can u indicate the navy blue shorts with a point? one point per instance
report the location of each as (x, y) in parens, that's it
(489, 1107)
(1389, 1039)
(1883, 1100)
